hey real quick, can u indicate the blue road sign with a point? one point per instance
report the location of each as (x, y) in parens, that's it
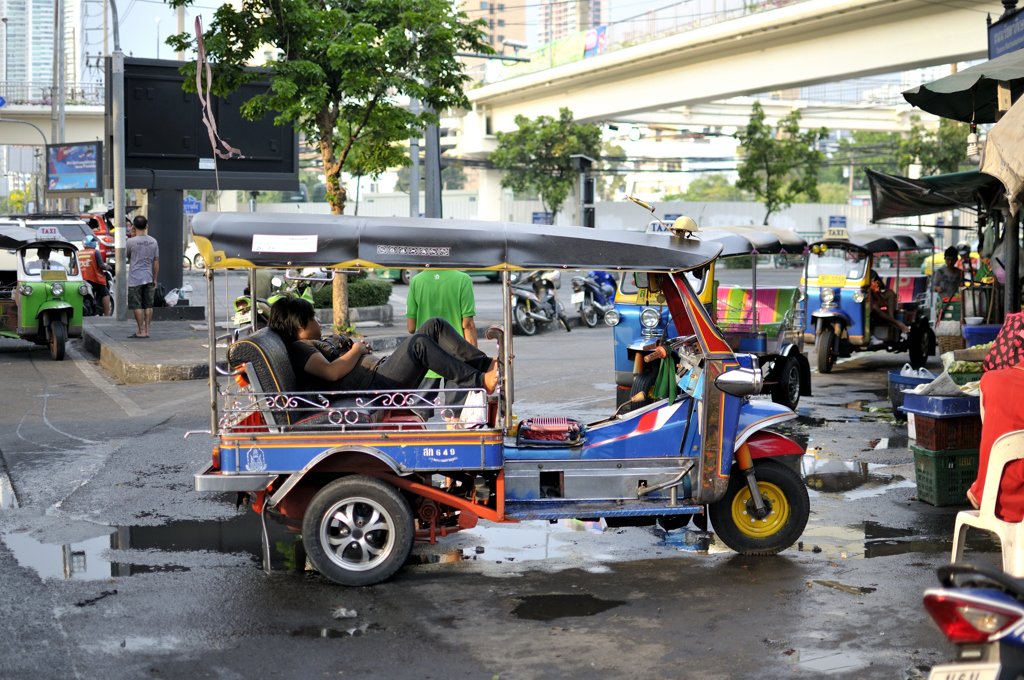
(191, 205)
(2, 101)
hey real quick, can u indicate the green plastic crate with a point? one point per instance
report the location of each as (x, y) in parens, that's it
(951, 311)
(964, 378)
(943, 477)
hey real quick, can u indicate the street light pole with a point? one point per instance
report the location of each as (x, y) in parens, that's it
(117, 170)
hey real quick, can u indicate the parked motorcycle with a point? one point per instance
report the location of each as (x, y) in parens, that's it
(980, 609)
(294, 284)
(534, 300)
(593, 295)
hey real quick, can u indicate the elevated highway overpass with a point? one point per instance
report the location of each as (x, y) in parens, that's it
(684, 78)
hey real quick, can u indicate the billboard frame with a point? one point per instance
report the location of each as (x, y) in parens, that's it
(76, 192)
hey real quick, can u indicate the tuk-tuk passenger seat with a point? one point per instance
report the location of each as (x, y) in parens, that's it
(774, 305)
(908, 288)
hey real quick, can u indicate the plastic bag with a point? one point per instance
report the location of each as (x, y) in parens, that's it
(910, 372)
(474, 411)
(171, 298)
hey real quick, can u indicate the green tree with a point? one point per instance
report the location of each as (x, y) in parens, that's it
(709, 187)
(339, 71)
(780, 164)
(860, 150)
(939, 152)
(536, 157)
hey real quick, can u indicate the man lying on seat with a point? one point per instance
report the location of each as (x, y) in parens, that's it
(324, 367)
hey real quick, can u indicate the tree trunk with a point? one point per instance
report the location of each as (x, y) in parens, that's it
(336, 197)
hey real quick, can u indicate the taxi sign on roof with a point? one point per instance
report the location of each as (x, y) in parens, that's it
(47, 233)
(839, 233)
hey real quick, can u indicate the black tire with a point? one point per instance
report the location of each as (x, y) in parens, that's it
(198, 262)
(58, 340)
(642, 384)
(588, 312)
(826, 359)
(345, 554)
(524, 323)
(787, 389)
(732, 515)
(186, 263)
(920, 345)
(405, 275)
(562, 318)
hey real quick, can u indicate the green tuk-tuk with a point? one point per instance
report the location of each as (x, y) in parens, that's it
(41, 287)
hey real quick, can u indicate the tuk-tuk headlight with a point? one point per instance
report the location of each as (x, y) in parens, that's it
(858, 297)
(827, 295)
(57, 289)
(612, 318)
(650, 317)
(83, 290)
(26, 290)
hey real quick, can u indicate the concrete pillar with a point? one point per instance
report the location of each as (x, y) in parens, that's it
(1011, 241)
(165, 219)
(489, 200)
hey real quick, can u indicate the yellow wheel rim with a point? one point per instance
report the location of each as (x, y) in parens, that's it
(748, 523)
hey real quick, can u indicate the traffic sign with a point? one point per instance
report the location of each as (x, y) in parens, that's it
(191, 205)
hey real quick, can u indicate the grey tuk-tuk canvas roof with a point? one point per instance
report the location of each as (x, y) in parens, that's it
(233, 240)
(886, 240)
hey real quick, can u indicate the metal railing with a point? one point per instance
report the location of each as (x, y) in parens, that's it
(41, 93)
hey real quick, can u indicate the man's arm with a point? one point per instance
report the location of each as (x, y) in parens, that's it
(410, 325)
(336, 370)
(156, 268)
(469, 330)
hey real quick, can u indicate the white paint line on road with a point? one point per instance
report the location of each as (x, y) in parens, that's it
(8, 500)
(130, 408)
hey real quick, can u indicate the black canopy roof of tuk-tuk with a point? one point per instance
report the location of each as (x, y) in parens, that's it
(895, 196)
(13, 235)
(744, 240)
(230, 240)
(885, 240)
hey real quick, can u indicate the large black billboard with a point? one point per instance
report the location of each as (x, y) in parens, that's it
(167, 146)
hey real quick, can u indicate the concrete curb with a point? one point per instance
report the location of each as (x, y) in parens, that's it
(133, 369)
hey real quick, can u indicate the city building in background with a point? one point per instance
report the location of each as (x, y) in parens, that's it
(505, 20)
(28, 47)
(558, 18)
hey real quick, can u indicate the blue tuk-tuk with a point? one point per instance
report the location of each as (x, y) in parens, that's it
(362, 475)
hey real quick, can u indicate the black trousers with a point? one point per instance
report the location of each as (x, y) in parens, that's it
(438, 347)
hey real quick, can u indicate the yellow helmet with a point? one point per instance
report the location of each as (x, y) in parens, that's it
(683, 224)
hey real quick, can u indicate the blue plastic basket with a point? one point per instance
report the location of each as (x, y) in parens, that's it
(897, 385)
(941, 407)
(981, 334)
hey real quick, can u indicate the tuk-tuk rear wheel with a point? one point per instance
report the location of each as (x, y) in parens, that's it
(734, 519)
(920, 346)
(358, 530)
(58, 340)
(642, 384)
(787, 389)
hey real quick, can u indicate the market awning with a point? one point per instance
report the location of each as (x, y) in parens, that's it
(894, 196)
(971, 95)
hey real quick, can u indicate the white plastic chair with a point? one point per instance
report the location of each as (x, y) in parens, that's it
(1007, 448)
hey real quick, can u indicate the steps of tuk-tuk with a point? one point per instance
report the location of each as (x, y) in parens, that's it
(569, 509)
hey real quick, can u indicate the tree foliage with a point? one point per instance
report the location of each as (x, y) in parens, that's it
(708, 187)
(536, 157)
(938, 152)
(610, 182)
(452, 177)
(340, 69)
(779, 164)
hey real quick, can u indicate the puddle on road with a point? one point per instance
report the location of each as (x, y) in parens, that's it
(450, 556)
(828, 662)
(852, 479)
(551, 607)
(842, 587)
(334, 633)
(88, 559)
(867, 540)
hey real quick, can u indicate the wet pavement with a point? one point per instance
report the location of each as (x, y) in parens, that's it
(111, 563)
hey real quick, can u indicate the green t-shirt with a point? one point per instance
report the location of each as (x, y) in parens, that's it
(447, 293)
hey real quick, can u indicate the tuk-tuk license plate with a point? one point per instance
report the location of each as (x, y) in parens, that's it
(832, 280)
(578, 298)
(965, 671)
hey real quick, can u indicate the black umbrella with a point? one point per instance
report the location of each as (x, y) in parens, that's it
(971, 95)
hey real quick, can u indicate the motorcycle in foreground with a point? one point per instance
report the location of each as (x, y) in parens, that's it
(294, 284)
(980, 609)
(593, 295)
(534, 301)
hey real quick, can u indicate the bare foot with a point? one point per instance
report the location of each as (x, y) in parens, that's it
(491, 379)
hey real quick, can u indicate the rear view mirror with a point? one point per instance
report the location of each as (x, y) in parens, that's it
(641, 279)
(740, 382)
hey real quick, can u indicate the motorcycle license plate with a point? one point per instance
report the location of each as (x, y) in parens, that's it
(242, 318)
(578, 298)
(965, 671)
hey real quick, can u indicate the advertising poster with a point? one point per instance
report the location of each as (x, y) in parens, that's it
(594, 43)
(74, 169)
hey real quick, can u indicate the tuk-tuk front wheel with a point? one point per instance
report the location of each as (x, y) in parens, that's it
(358, 531)
(734, 516)
(58, 339)
(826, 355)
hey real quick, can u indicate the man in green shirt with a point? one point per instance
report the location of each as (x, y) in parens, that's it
(444, 293)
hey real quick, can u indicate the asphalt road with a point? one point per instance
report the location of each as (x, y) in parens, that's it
(112, 567)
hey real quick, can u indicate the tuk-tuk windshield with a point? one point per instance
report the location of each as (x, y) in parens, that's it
(38, 258)
(694, 277)
(837, 260)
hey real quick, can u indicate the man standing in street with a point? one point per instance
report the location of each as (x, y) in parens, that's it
(143, 254)
(444, 293)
